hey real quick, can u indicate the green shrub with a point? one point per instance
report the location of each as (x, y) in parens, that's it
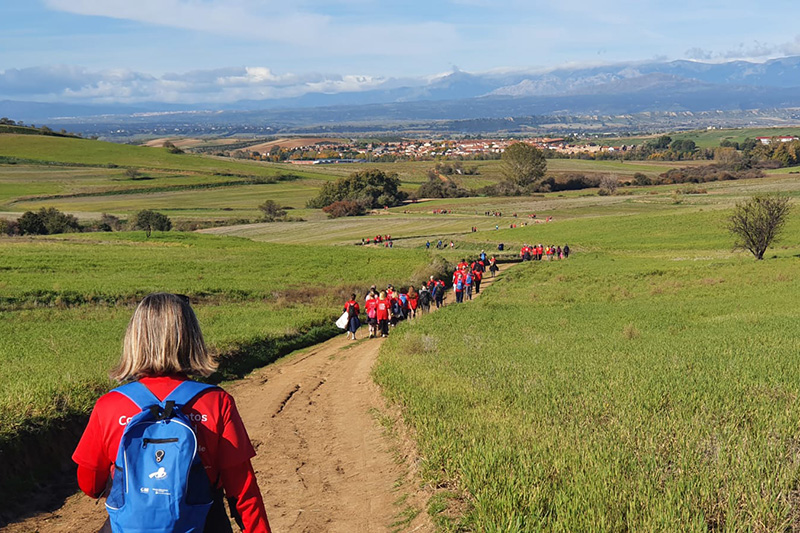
(31, 223)
(371, 188)
(47, 221)
(439, 188)
(9, 227)
(57, 222)
(151, 221)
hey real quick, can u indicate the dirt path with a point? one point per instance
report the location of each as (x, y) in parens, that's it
(324, 463)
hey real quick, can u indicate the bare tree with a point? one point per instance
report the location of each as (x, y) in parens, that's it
(272, 211)
(609, 183)
(757, 222)
(132, 173)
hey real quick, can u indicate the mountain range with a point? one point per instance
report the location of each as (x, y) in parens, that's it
(619, 89)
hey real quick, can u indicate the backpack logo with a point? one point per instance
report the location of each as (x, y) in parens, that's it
(159, 474)
(159, 456)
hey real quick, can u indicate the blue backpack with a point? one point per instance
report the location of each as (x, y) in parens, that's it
(460, 284)
(397, 310)
(160, 484)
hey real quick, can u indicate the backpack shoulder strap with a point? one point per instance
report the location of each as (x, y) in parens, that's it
(186, 391)
(138, 394)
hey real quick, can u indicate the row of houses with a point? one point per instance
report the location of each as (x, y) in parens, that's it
(427, 149)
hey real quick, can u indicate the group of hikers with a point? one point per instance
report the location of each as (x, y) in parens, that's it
(385, 308)
(439, 245)
(537, 252)
(379, 239)
(468, 276)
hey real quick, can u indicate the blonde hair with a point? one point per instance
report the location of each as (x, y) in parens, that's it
(163, 337)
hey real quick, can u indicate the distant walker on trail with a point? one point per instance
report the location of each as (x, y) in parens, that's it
(352, 309)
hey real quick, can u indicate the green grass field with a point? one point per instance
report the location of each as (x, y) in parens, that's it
(710, 138)
(87, 178)
(65, 302)
(97, 153)
(648, 383)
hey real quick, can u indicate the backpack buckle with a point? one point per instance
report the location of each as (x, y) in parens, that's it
(163, 414)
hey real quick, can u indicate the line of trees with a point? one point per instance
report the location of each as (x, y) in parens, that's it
(51, 221)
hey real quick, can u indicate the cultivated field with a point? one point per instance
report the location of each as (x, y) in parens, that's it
(87, 178)
(288, 143)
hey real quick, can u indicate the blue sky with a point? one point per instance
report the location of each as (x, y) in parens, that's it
(223, 50)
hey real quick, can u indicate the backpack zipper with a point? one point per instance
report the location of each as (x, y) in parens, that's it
(145, 442)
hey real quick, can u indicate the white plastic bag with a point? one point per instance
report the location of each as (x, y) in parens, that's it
(341, 323)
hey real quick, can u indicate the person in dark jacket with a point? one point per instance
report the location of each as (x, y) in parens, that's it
(352, 309)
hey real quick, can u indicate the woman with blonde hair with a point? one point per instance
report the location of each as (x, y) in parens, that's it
(163, 346)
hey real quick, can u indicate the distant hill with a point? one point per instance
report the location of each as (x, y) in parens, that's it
(620, 89)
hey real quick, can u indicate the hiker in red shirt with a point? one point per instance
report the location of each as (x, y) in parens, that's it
(458, 285)
(439, 293)
(493, 268)
(352, 309)
(413, 301)
(469, 280)
(477, 276)
(370, 306)
(163, 345)
(382, 314)
(396, 311)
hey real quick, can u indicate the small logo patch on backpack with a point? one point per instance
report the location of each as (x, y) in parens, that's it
(159, 474)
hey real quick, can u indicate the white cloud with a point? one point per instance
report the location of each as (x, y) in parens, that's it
(754, 50)
(77, 84)
(791, 48)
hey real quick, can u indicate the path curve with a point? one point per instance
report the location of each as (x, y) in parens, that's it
(324, 462)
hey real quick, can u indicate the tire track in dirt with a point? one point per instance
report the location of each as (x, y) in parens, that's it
(324, 462)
